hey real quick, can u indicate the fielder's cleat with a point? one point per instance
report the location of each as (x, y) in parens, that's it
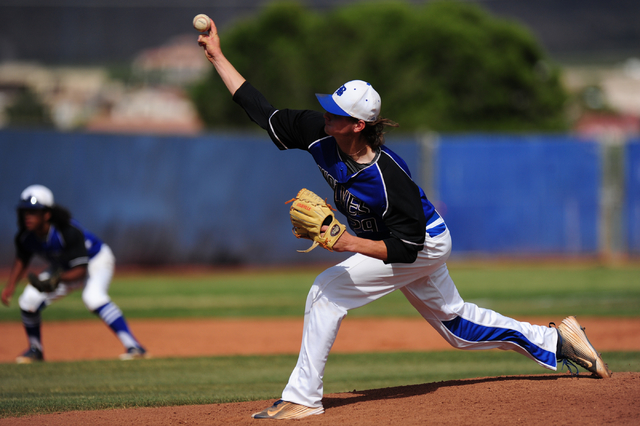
(287, 410)
(33, 354)
(134, 353)
(574, 346)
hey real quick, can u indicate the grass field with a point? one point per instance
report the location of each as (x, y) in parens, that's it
(514, 290)
(89, 385)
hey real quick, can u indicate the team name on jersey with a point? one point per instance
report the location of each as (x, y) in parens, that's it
(327, 176)
(361, 219)
(349, 203)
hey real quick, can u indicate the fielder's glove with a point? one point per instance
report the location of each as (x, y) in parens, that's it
(309, 213)
(46, 281)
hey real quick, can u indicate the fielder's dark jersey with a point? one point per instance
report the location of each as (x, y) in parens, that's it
(67, 247)
(380, 201)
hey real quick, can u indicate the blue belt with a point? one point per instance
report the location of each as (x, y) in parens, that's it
(435, 216)
(436, 230)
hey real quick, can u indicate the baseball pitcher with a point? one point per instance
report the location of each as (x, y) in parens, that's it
(398, 239)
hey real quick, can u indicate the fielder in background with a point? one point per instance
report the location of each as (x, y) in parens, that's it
(400, 242)
(77, 260)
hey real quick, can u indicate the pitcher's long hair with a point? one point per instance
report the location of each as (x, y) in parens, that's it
(374, 132)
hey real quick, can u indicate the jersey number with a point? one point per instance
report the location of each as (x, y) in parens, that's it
(364, 225)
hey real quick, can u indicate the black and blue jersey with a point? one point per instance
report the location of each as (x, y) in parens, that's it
(380, 200)
(67, 246)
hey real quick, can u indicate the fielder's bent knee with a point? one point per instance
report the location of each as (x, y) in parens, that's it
(31, 299)
(93, 300)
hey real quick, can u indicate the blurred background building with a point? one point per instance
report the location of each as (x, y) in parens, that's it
(123, 65)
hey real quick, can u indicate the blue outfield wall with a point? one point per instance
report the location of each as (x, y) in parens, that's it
(210, 199)
(632, 192)
(219, 198)
(520, 194)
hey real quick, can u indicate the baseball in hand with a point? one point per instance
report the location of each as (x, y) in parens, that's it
(202, 22)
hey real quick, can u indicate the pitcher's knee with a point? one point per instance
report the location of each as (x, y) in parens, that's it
(327, 309)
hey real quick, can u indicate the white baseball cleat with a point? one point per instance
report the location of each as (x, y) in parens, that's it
(574, 346)
(287, 410)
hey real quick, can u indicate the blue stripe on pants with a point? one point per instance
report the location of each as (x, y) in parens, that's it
(472, 332)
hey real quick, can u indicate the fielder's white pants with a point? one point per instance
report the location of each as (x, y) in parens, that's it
(427, 285)
(95, 286)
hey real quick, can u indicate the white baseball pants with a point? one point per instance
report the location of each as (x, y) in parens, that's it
(427, 285)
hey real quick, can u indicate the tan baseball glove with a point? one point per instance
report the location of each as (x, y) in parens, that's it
(309, 213)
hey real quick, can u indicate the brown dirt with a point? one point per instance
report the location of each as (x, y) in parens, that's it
(78, 340)
(535, 400)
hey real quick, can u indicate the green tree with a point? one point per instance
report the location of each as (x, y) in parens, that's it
(445, 66)
(27, 110)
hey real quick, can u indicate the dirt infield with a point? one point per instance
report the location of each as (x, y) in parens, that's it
(535, 400)
(78, 340)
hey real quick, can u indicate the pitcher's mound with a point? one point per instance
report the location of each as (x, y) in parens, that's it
(550, 399)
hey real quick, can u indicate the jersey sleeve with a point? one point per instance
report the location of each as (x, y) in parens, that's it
(75, 251)
(288, 129)
(254, 104)
(404, 218)
(296, 128)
